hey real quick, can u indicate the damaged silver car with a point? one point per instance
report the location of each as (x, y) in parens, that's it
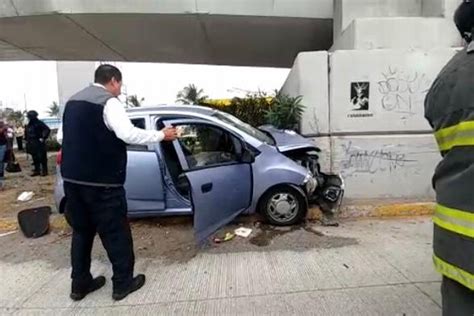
(221, 167)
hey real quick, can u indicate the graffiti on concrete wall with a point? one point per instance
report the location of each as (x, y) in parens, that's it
(403, 92)
(372, 161)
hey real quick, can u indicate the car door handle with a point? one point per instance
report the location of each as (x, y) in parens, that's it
(206, 187)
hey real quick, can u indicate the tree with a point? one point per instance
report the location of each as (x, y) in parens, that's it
(134, 102)
(12, 116)
(191, 95)
(17, 116)
(54, 110)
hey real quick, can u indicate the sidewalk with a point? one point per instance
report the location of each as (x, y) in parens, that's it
(365, 267)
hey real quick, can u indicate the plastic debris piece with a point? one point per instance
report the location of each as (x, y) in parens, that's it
(243, 232)
(8, 233)
(25, 196)
(227, 237)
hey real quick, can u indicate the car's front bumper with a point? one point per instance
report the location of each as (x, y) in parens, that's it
(329, 193)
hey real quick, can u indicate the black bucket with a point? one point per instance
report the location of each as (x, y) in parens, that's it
(34, 222)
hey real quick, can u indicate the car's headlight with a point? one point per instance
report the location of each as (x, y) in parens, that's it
(310, 183)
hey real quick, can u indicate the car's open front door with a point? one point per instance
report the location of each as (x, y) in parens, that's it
(219, 194)
(220, 180)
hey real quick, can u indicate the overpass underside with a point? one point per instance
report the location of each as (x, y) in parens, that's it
(170, 38)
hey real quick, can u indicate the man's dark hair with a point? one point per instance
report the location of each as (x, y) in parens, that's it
(104, 73)
(464, 19)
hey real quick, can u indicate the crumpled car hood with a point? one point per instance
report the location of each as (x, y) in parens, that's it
(287, 140)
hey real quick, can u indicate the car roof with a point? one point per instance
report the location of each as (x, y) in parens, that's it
(179, 109)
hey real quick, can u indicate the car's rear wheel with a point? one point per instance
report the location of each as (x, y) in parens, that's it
(283, 206)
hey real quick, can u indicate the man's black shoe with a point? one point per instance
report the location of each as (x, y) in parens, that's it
(137, 283)
(96, 284)
(35, 174)
(44, 173)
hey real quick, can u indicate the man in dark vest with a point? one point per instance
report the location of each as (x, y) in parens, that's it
(37, 132)
(94, 135)
(449, 108)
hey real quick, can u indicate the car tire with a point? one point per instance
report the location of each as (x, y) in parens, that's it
(283, 206)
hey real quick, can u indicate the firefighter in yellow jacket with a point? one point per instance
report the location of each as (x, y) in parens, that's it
(449, 108)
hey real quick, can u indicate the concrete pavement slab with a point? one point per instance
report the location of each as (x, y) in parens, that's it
(386, 270)
(431, 289)
(21, 281)
(403, 299)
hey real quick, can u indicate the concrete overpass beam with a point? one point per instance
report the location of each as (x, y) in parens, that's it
(440, 8)
(345, 11)
(275, 8)
(388, 33)
(238, 32)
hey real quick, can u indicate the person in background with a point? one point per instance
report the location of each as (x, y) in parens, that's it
(94, 133)
(10, 136)
(36, 133)
(3, 149)
(19, 133)
(449, 108)
(9, 155)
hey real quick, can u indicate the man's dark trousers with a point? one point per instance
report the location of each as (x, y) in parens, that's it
(102, 210)
(40, 156)
(19, 141)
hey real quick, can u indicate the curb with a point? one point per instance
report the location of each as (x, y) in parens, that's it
(357, 210)
(379, 209)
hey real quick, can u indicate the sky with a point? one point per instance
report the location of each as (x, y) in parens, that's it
(33, 84)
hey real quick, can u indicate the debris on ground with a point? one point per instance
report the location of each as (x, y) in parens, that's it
(8, 233)
(25, 196)
(227, 237)
(243, 232)
(34, 222)
(16, 183)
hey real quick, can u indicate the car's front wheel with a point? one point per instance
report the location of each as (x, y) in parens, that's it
(283, 206)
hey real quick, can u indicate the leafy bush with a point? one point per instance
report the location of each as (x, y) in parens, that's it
(51, 143)
(250, 109)
(285, 112)
(256, 108)
(281, 110)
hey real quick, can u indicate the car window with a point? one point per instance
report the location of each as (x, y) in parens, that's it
(244, 127)
(140, 123)
(205, 145)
